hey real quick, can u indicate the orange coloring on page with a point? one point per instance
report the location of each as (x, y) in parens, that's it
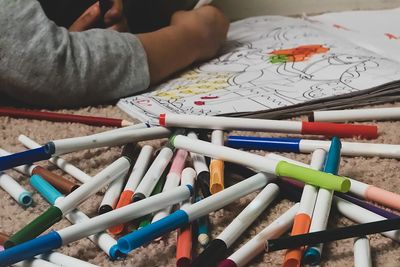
(300, 53)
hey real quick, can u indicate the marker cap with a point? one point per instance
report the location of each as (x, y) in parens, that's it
(216, 176)
(215, 252)
(24, 157)
(146, 234)
(227, 263)
(64, 185)
(341, 130)
(264, 143)
(312, 256)
(31, 248)
(115, 253)
(36, 227)
(45, 189)
(313, 177)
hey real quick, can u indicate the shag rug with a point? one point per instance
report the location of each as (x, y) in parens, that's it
(382, 172)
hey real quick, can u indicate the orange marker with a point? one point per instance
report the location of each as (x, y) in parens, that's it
(136, 175)
(302, 220)
(217, 166)
(184, 240)
(184, 247)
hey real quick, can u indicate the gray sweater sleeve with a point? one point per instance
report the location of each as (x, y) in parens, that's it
(43, 64)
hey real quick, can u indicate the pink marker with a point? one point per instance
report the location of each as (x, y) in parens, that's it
(172, 180)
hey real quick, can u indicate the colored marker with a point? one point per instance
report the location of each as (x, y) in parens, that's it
(16, 191)
(113, 191)
(56, 239)
(271, 166)
(359, 189)
(260, 125)
(217, 165)
(63, 184)
(146, 220)
(154, 173)
(218, 248)
(361, 215)
(54, 214)
(365, 114)
(354, 200)
(64, 146)
(308, 146)
(173, 179)
(3, 238)
(362, 252)
(184, 216)
(62, 117)
(302, 220)
(184, 238)
(257, 244)
(137, 173)
(101, 239)
(200, 165)
(323, 203)
(203, 228)
(332, 235)
(59, 162)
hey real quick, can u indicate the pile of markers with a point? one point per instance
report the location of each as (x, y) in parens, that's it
(144, 185)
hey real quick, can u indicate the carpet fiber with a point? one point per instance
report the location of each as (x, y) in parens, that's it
(378, 171)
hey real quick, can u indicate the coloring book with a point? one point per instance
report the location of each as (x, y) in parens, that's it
(275, 67)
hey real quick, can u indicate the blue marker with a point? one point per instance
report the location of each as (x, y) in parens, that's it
(56, 239)
(64, 146)
(297, 145)
(188, 214)
(52, 195)
(323, 203)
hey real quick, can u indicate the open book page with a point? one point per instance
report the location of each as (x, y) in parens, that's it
(268, 63)
(376, 30)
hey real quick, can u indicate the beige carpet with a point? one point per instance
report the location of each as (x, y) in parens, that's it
(380, 172)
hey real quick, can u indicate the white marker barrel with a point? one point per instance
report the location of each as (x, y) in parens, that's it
(188, 178)
(199, 161)
(68, 145)
(59, 162)
(235, 229)
(140, 167)
(309, 195)
(64, 260)
(229, 123)
(16, 191)
(360, 215)
(155, 171)
(124, 214)
(226, 196)
(366, 114)
(173, 179)
(362, 252)
(354, 148)
(117, 169)
(112, 194)
(35, 263)
(257, 244)
(103, 240)
(225, 153)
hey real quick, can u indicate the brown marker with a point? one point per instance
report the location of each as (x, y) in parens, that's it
(64, 185)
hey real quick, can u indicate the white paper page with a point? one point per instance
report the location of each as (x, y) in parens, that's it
(377, 30)
(253, 75)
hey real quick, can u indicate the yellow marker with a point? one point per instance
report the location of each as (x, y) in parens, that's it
(216, 165)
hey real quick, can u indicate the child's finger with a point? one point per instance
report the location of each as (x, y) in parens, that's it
(89, 18)
(115, 13)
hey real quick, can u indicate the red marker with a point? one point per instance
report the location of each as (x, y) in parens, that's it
(61, 117)
(260, 125)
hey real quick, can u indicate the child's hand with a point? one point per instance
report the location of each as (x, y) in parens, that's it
(209, 26)
(113, 19)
